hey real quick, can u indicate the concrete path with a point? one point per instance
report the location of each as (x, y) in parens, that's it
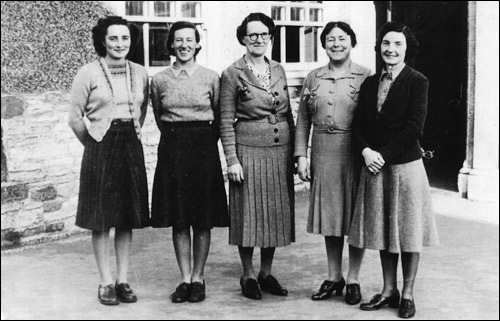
(457, 280)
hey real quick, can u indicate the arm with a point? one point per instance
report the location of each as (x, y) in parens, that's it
(156, 103)
(80, 91)
(215, 101)
(144, 105)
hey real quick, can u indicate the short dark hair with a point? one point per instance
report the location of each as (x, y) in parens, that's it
(178, 26)
(100, 30)
(411, 41)
(341, 25)
(241, 31)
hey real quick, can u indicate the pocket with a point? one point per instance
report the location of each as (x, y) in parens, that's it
(244, 93)
(353, 92)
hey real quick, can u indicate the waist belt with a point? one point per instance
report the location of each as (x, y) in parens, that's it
(330, 129)
(271, 119)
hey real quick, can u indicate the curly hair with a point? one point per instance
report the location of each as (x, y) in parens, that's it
(178, 26)
(411, 41)
(100, 30)
(342, 26)
(241, 31)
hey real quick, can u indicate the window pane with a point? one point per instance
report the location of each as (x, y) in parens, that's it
(311, 44)
(276, 13)
(276, 52)
(296, 14)
(134, 8)
(164, 8)
(188, 9)
(292, 44)
(315, 15)
(158, 34)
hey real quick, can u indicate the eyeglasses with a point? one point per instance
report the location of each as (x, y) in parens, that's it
(255, 36)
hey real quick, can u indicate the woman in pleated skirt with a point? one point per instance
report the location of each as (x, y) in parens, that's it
(393, 212)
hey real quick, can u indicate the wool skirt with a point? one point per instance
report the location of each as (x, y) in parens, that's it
(334, 178)
(262, 207)
(113, 182)
(188, 188)
(393, 210)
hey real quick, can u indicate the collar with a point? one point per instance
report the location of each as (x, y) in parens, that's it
(354, 70)
(395, 72)
(241, 64)
(176, 70)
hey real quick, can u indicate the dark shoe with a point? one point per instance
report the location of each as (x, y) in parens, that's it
(327, 288)
(182, 293)
(250, 289)
(407, 309)
(271, 285)
(125, 293)
(107, 295)
(197, 292)
(352, 294)
(379, 301)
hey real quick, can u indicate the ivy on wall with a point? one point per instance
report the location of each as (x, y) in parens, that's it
(44, 43)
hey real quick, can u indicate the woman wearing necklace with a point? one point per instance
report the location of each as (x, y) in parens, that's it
(109, 98)
(328, 102)
(188, 189)
(258, 149)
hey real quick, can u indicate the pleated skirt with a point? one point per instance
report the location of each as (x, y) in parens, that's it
(334, 181)
(113, 182)
(188, 188)
(262, 207)
(393, 210)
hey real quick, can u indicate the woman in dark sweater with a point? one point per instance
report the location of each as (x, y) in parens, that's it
(393, 210)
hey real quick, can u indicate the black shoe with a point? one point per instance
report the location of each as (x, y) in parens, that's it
(271, 285)
(352, 294)
(181, 293)
(107, 295)
(250, 289)
(327, 288)
(197, 292)
(125, 293)
(379, 301)
(407, 309)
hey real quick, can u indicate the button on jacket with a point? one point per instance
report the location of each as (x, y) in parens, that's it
(243, 98)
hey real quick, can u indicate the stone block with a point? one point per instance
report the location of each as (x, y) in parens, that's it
(11, 236)
(29, 216)
(38, 229)
(10, 207)
(51, 206)
(8, 220)
(14, 192)
(54, 227)
(44, 194)
(12, 107)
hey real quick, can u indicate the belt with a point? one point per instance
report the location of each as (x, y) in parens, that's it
(271, 119)
(122, 121)
(330, 129)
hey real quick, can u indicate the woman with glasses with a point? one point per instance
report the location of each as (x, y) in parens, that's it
(328, 102)
(258, 148)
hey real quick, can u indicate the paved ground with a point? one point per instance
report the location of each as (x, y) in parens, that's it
(456, 280)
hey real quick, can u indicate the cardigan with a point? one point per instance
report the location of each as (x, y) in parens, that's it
(93, 107)
(243, 97)
(394, 131)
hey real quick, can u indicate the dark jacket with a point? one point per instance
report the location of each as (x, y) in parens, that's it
(394, 131)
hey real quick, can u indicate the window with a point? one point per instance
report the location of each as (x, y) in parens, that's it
(297, 36)
(152, 21)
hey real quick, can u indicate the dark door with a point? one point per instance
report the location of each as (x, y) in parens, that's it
(441, 29)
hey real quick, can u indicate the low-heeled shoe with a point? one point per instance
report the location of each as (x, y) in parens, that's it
(271, 285)
(125, 293)
(378, 301)
(107, 295)
(352, 294)
(197, 292)
(327, 288)
(182, 293)
(250, 289)
(407, 309)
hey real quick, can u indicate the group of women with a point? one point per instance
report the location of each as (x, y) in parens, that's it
(382, 204)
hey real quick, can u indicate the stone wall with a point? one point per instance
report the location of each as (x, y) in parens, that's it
(42, 167)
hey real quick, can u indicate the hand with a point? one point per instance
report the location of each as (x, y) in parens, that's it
(373, 160)
(303, 169)
(235, 173)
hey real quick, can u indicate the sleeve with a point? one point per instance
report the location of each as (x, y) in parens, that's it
(303, 122)
(80, 92)
(360, 142)
(144, 106)
(289, 113)
(215, 101)
(156, 102)
(228, 103)
(415, 119)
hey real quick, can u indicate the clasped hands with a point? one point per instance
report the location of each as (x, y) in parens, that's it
(373, 160)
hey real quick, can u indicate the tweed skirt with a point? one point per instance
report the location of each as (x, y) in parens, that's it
(262, 207)
(334, 178)
(113, 183)
(188, 188)
(393, 210)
